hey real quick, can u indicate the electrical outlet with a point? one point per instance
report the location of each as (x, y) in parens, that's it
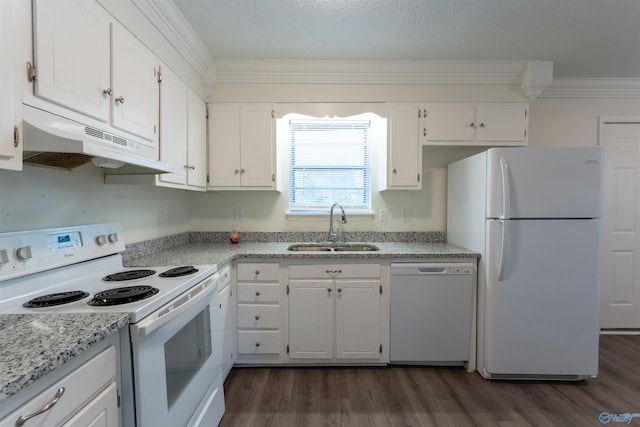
(406, 214)
(383, 215)
(239, 214)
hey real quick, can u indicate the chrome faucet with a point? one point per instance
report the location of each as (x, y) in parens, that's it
(333, 235)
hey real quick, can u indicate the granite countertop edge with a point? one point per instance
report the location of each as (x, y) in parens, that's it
(31, 348)
(222, 253)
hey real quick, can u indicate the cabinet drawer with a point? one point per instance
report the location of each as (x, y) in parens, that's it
(335, 271)
(263, 292)
(258, 316)
(258, 342)
(258, 272)
(79, 387)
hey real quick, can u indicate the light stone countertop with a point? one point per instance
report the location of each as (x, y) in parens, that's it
(221, 253)
(32, 345)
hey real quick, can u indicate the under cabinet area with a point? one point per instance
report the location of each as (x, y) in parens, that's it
(242, 149)
(113, 80)
(334, 313)
(87, 396)
(259, 312)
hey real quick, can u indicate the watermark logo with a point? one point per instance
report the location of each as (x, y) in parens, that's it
(606, 417)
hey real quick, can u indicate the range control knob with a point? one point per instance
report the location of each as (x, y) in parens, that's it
(101, 240)
(23, 253)
(113, 238)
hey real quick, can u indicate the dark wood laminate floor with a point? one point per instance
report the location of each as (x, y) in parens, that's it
(432, 396)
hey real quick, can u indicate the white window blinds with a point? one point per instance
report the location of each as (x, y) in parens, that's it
(329, 163)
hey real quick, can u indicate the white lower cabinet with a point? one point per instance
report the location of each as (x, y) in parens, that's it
(335, 313)
(86, 397)
(259, 313)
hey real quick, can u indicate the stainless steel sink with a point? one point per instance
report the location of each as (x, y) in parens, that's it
(356, 247)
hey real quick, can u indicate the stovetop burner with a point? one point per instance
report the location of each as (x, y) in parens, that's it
(52, 300)
(124, 295)
(179, 271)
(128, 275)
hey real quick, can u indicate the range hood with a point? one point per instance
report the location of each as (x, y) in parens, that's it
(54, 141)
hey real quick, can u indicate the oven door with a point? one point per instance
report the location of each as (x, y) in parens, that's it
(174, 361)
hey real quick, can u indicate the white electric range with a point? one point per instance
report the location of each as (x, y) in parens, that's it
(173, 361)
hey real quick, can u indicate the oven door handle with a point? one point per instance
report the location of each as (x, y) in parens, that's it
(173, 309)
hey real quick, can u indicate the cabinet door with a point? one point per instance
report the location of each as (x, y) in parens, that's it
(502, 123)
(224, 145)
(358, 319)
(72, 53)
(311, 319)
(450, 122)
(173, 128)
(257, 149)
(404, 161)
(101, 411)
(197, 142)
(12, 15)
(134, 103)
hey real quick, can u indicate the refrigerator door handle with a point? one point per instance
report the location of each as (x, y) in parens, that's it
(503, 250)
(504, 169)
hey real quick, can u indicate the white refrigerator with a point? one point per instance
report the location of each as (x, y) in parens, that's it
(534, 215)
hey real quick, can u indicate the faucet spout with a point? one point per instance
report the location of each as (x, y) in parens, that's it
(333, 235)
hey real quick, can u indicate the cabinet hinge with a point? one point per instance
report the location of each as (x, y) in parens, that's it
(208, 179)
(273, 114)
(525, 133)
(273, 178)
(32, 72)
(380, 348)
(418, 177)
(419, 113)
(380, 289)
(118, 397)
(424, 113)
(287, 348)
(207, 112)
(287, 289)
(159, 75)
(525, 113)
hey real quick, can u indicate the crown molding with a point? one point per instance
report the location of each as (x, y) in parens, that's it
(169, 21)
(592, 88)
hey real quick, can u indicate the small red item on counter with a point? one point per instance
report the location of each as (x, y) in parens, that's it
(235, 237)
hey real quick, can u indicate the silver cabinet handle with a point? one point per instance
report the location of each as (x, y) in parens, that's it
(257, 293)
(481, 125)
(24, 418)
(329, 290)
(339, 290)
(120, 99)
(236, 171)
(108, 91)
(242, 171)
(16, 136)
(394, 170)
(257, 344)
(257, 317)
(257, 272)
(333, 271)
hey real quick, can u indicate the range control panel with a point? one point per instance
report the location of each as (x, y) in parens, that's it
(32, 251)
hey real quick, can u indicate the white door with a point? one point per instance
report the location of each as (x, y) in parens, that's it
(173, 127)
(544, 182)
(224, 145)
(405, 159)
(620, 298)
(197, 142)
(358, 319)
(501, 122)
(71, 51)
(257, 154)
(541, 308)
(311, 319)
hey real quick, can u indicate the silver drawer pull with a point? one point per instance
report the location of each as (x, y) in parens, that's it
(24, 418)
(257, 272)
(333, 271)
(257, 293)
(257, 344)
(339, 290)
(257, 317)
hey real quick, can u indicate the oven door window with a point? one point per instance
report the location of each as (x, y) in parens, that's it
(185, 353)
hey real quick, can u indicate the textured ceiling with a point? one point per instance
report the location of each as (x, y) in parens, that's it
(583, 38)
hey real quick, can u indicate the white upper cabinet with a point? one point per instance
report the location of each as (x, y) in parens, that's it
(183, 135)
(404, 155)
(12, 19)
(242, 151)
(88, 63)
(490, 124)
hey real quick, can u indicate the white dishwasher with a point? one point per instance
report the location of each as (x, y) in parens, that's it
(431, 313)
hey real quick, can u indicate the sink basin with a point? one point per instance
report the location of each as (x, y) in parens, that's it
(309, 248)
(356, 247)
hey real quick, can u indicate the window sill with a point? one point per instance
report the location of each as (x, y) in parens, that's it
(325, 215)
